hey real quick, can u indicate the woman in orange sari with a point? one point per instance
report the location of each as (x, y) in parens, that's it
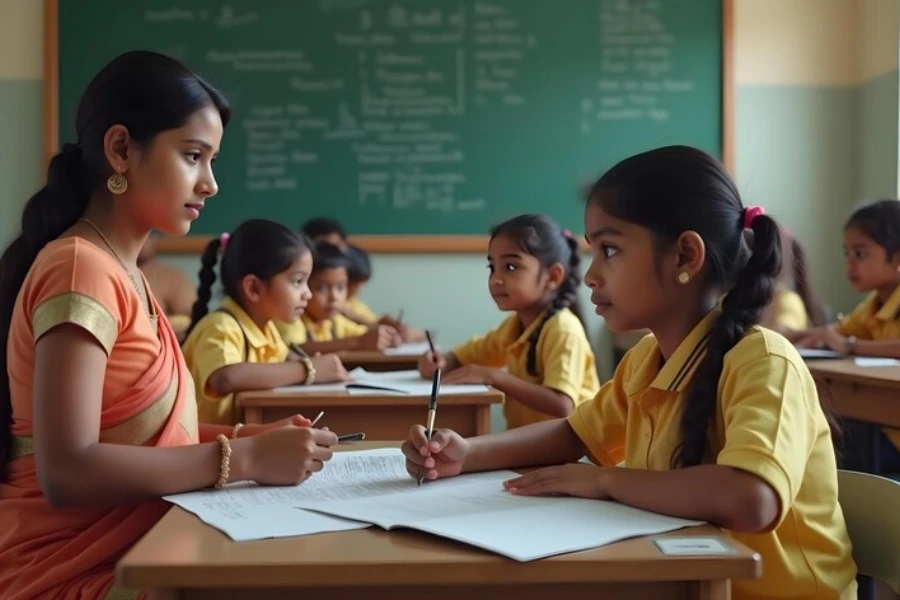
(97, 411)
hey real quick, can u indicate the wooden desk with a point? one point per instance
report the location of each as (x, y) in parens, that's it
(185, 559)
(868, 394)
(381, 417)
(372, 360)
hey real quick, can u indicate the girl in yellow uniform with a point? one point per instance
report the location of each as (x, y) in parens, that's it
(539, 356)
(719, 418)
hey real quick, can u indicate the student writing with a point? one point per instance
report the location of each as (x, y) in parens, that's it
(265, 271)
(550, 368)
(719, 418)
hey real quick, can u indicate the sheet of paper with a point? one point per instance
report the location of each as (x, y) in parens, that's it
(481, 513)
(403, 382)
(816, 353)
(246, 511)
(408, 349)
(316, 388)
(871, 361)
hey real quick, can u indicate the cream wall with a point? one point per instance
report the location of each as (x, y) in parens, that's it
(816, 130)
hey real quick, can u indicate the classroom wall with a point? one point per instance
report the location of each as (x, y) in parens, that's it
(816, 93)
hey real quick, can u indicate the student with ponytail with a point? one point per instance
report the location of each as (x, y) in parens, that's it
(550, 368)
(265, 272)
(719, 418)
(97, 412)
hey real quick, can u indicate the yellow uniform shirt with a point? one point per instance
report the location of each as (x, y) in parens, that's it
(872, 320)
(292, 333)
(564, 362)
(362, 310)
(768, 422)
(786, 311)
(329, 330)
(219, 340)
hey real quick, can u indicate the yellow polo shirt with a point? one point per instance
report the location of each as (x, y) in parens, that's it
(565, 361)
(872, 320)
(787, 310)
(329, 330)
(218, 341)
(292, 333)
(362, 309)
(768, 422)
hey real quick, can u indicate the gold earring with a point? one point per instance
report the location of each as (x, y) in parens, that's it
(117, 184)
(683, 277)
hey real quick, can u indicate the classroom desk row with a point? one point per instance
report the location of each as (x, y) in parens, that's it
(183, 558)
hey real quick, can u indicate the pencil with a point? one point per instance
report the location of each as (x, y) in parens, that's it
(316, 420)
(400, 318)
(296, 349)
(432, 409)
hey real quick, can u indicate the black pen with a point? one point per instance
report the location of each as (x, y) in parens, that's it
(296, 349)
(434, 355)
(352, 437)
(432, 409)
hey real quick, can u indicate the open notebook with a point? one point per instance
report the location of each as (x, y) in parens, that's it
(403, 383)
(359, 489)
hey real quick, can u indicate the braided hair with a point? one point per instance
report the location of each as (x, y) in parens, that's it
(676, 189)
(539, 236)
(257, 247)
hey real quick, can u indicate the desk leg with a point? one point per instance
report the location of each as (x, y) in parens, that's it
(875, 449)
(712, 590)
(482, 420)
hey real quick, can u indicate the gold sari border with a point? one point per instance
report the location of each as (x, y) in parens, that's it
(134, 431)
(80, 310)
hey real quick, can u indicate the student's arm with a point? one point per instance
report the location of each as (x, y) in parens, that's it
(245, 376)
(770, 412)
(75, 469)
(538, 397)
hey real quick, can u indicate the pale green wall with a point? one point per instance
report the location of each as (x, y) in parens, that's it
(20, 149)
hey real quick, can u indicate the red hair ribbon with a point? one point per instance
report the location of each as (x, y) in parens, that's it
(750, 213)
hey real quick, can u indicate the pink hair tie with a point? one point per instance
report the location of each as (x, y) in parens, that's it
(750, 213)
(223, 239)
(567, 233)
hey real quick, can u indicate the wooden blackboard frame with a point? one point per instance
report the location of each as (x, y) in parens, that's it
(382, 244)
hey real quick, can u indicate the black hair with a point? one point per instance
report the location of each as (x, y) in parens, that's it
(360, 269)
(879, 220)
(257, 247)
(542, 238)
(320, 226)
(676, 189)
(329, 256)
(147, 93)
(802, 281)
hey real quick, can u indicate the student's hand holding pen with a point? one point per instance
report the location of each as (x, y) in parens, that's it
(440, 458)
(379, 338)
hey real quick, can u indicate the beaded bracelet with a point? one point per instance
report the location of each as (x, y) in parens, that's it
(310, 370)
(234, 432)
(225, 468)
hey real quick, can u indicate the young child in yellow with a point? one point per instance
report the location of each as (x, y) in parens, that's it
(551, 369)
(795, 305)
(872, 249)
(719, 418)
(359, 272)
(265, 272)
(323, 328)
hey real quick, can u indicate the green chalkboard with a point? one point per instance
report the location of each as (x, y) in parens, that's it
(420, 116)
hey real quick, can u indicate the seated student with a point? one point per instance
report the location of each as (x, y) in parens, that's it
(551, 369)
(325, 229)
(265, 272)
(719, 419)
(872, 248)
(172, 288)
(795, 305)
(323, 328)
(359, 272)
